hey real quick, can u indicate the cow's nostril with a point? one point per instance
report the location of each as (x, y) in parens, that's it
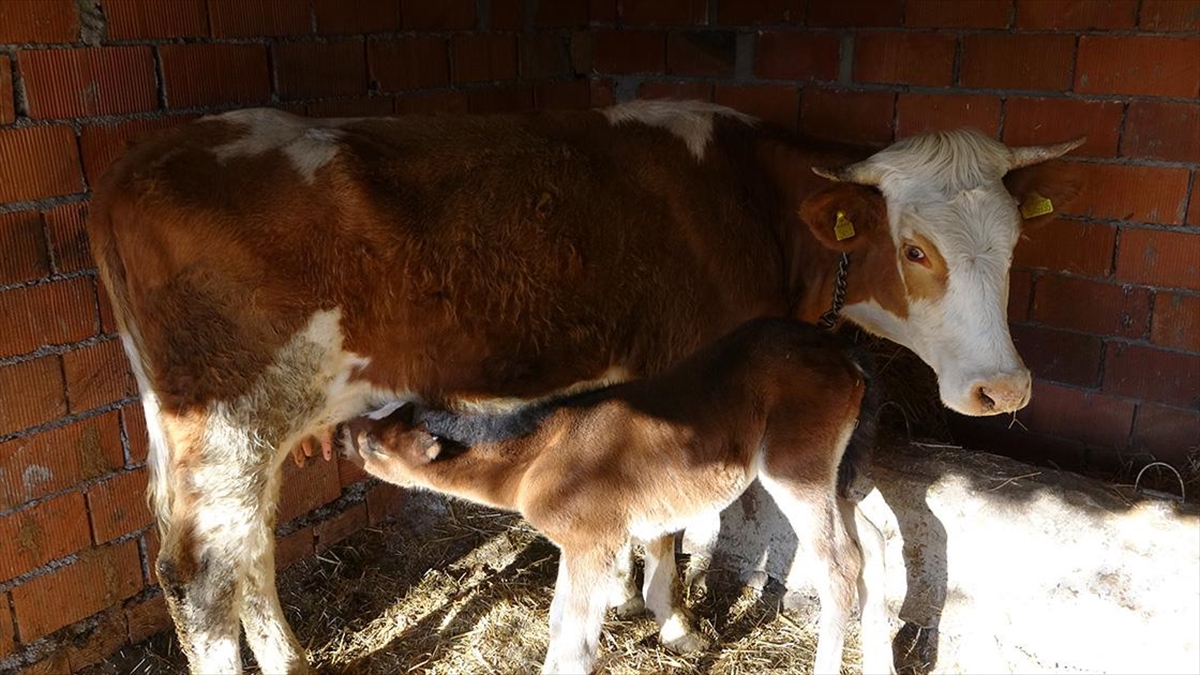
(986, 401)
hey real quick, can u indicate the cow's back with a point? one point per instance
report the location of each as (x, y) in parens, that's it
(465, 256)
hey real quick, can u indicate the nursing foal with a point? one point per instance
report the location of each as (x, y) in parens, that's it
(774, 399)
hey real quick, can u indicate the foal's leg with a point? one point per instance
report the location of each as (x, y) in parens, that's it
(823, 538)
(577, 611)
(872, 600)
(675, 631)
(623, 591)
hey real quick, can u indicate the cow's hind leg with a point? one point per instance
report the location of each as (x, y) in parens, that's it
(214, 491)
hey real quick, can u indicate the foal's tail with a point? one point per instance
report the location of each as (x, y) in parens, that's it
(857, 457)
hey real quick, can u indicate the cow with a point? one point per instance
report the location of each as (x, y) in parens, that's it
(774, 399)
(272, 275)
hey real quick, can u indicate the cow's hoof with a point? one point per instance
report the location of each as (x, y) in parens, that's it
(631, 608)
(687, 643)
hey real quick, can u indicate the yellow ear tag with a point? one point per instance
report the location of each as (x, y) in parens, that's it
(1036, 205)
(843, 228)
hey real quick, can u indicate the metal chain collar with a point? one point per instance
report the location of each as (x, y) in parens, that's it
(839, 294)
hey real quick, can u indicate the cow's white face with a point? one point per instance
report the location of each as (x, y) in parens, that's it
(953, 227)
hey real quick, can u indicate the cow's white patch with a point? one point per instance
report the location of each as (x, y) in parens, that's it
(309, 143)
(690, 121)
(158, 457)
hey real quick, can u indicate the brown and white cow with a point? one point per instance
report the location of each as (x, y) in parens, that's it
(271, 275)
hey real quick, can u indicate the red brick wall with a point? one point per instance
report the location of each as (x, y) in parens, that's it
(1105, 303)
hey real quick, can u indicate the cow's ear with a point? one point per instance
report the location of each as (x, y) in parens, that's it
(844, 215)
(1042, 190)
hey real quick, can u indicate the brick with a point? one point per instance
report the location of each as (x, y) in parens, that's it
(384, 502)
(602, 92)
(92, 81)
(859, 13)
(7, 109)
(500, 99)
(905, 58)
(1059, 356)
(757, 12)
(509, 15)
(100, 578)
(293, 548)
(313, 69)
(1153, 375)
(998, 435)
(344, 524)
(153, 545)
(25, 255)
(253, 18)
(97, 375)
(1159, 130)
(957, 13)
(1167, 434)
(37, 162)
(108, 322)
(852, 116)
(1002, 61)
(1193, 214)
(628, 51)
(575, 95)
(602, 12)
(662, 12)
(796, 56)
(409, 63)
(339, 16)
(1158, 258)
(483, 58)
(103, 143)
(701, 53)
(99, 641)
(1066, 246)
(581, 52)
(777, 105)
(452, 102)
(147, 618)
(349, 473)
(918, 113)
(68, 240)
(7, 633)
(118, 505)
(133, 421)
(544, 55)
(32, 537)
(1176, 321)
(133, 19)
(1076, 14)
(213, 74)
(1090, 417)
(43, 21)
(1043, 121)
(53, 313)
(31, 393)
(438, 16)
(1020, 293)
(304, 489)
(1169, 16)
(560, 14)
(1092, 307)
(679, 91)
(36, 465)
(1151, 66)
(1142, 193)
(359, 106)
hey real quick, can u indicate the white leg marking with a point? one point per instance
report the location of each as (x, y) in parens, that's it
(876, 634)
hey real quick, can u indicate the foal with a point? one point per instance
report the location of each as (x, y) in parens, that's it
(775, 399)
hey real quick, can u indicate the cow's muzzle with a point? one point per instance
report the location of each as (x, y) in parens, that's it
(1006, 392)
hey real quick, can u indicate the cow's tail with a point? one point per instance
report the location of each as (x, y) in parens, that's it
(856, 458)
(102, 239)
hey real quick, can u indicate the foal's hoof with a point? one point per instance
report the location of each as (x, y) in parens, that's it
(631, 608)
(687, 643)
(793, 600)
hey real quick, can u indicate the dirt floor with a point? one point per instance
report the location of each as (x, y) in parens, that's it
(454, 588)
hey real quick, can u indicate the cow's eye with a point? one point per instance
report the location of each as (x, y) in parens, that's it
(914, 254)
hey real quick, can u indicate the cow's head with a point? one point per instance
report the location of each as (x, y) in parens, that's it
(937, 274)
